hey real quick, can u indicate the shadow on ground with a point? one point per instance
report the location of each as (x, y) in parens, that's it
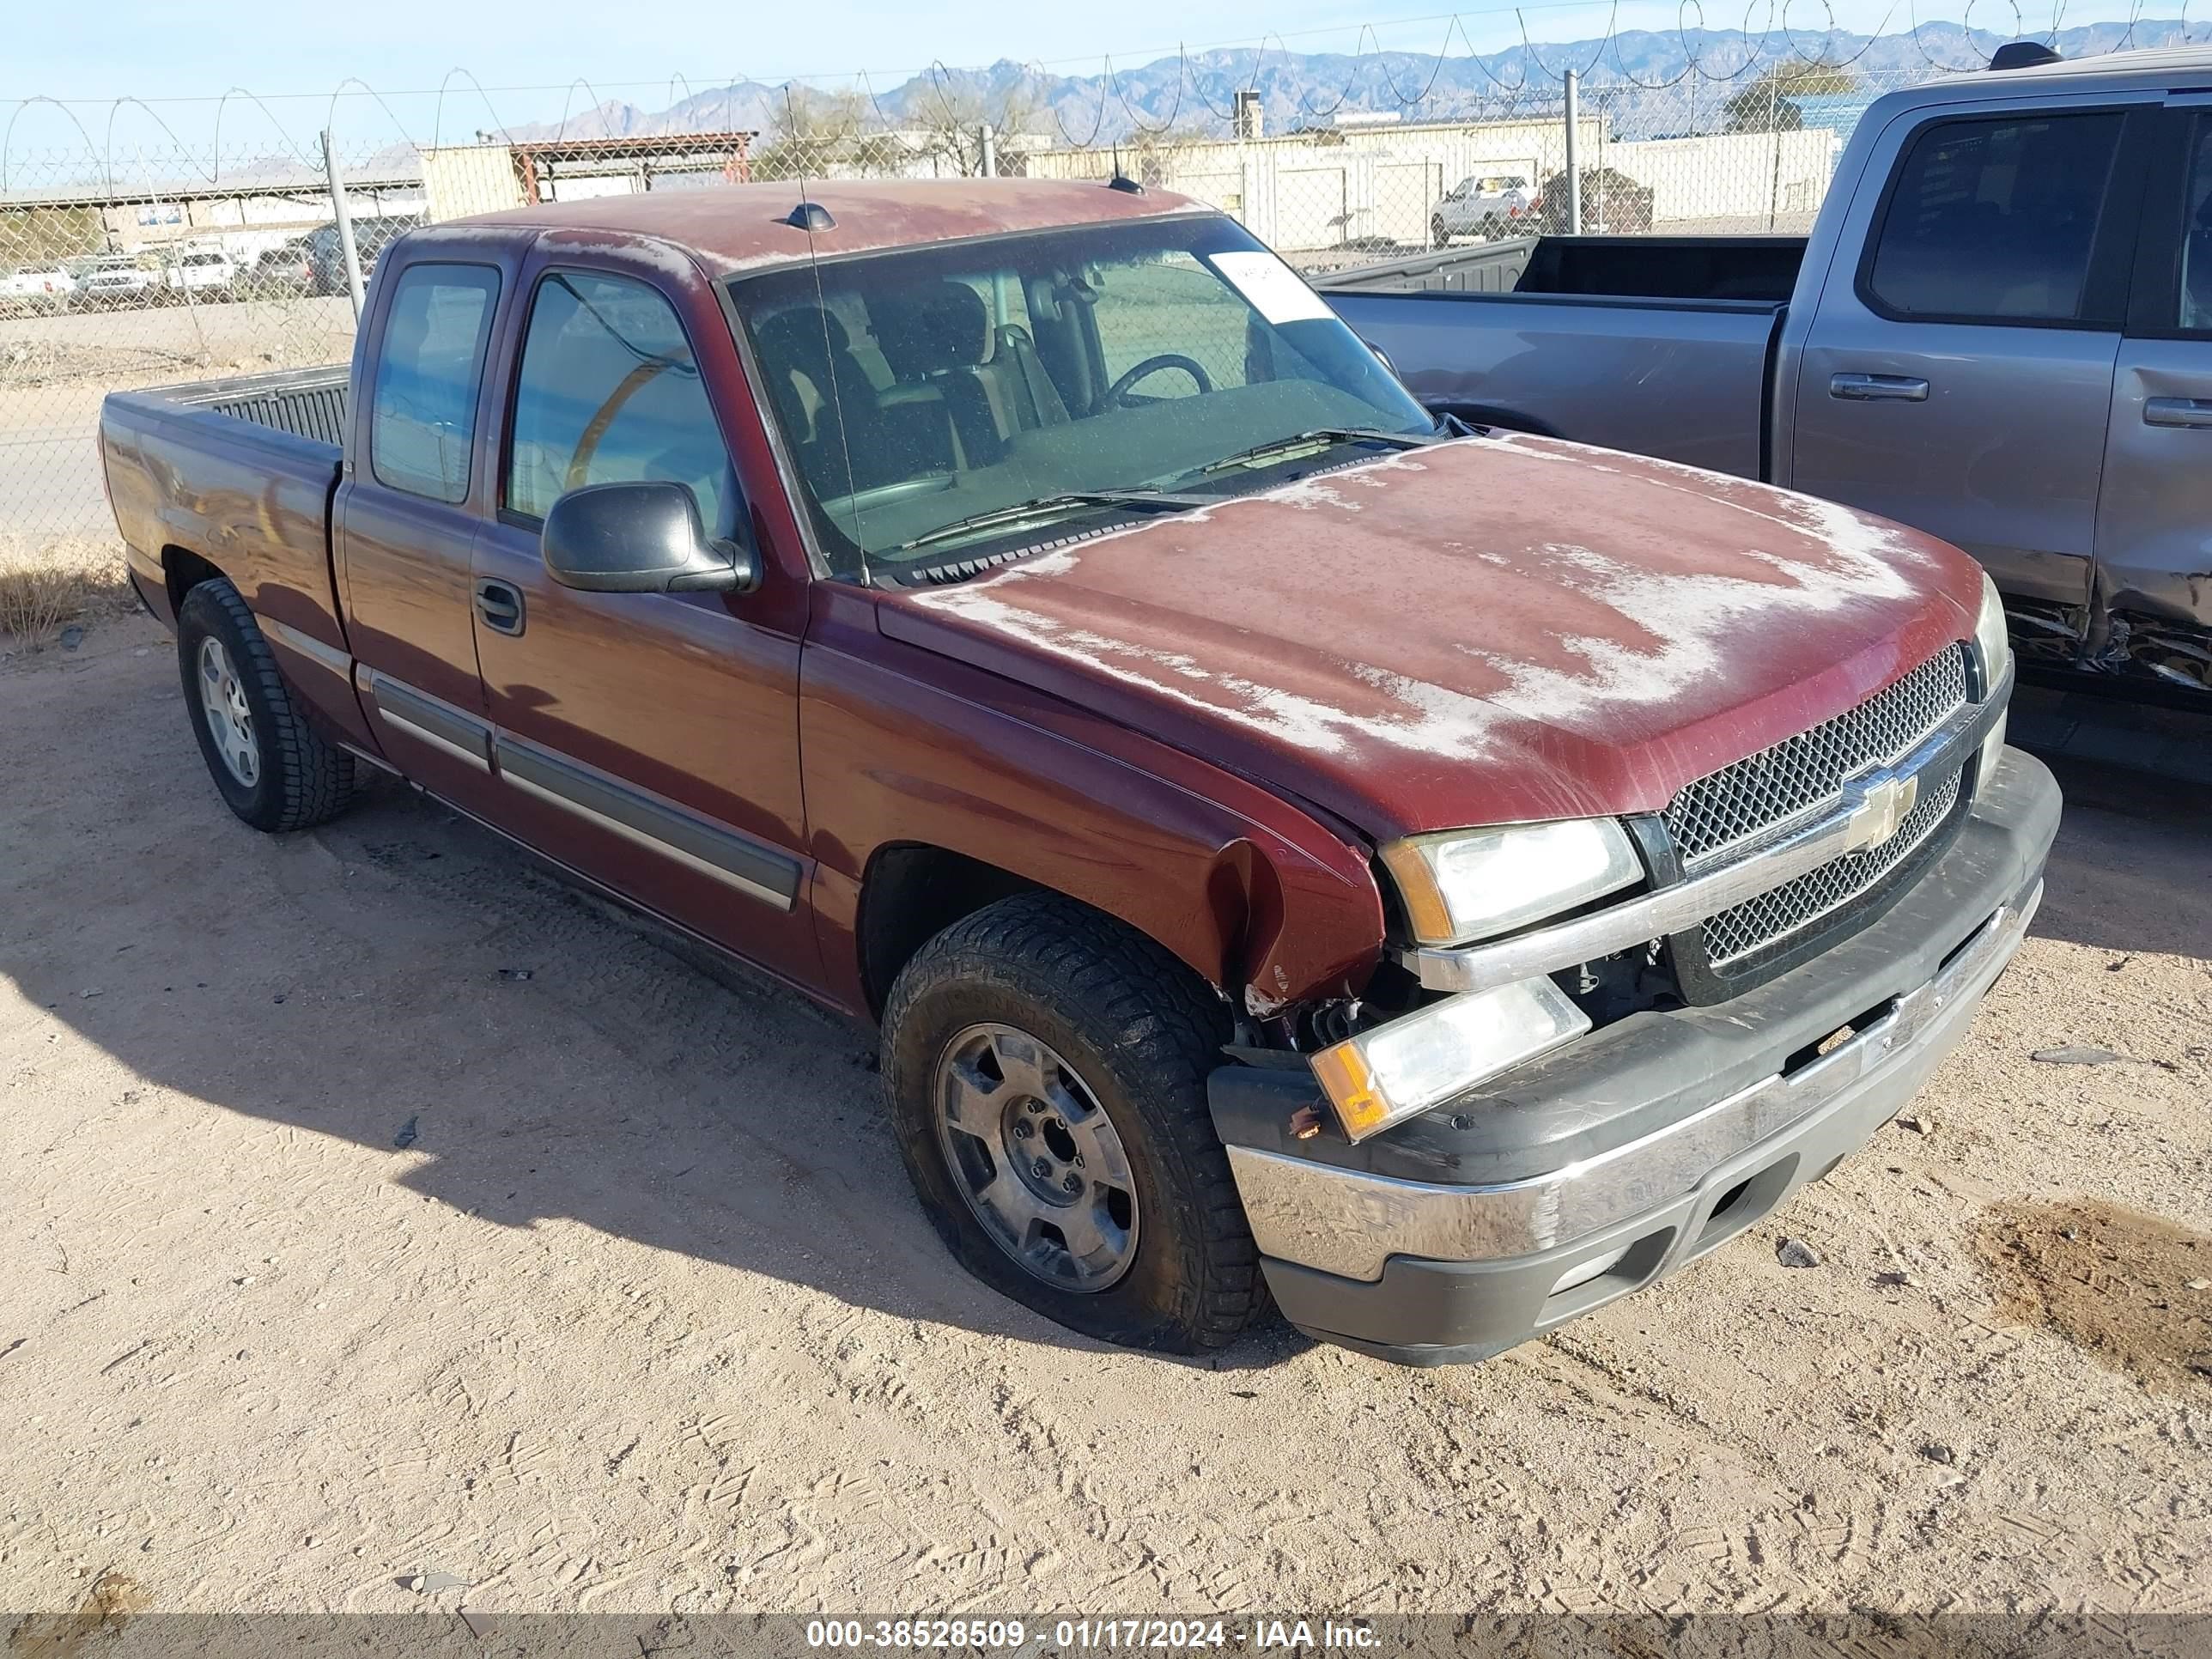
(408, 983)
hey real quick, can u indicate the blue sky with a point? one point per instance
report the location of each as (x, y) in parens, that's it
(529, 55)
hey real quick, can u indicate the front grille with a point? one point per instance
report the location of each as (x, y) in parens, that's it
(1741, 802)
(1776, 916)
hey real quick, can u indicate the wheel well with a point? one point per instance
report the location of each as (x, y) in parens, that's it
(910, 894)
(183, 570)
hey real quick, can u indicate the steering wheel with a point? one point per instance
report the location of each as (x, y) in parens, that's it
(1120, 389)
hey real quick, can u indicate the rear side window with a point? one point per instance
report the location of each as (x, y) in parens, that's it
(2195, 312)
(608, 390)
(423, 418)
(1995, 221)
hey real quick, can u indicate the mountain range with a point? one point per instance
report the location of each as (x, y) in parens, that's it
(1658, 82)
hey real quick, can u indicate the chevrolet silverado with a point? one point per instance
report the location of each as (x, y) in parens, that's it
(2000, 331)
(1288, 847)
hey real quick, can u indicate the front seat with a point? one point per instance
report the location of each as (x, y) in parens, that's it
(826, 403)
(935, 336)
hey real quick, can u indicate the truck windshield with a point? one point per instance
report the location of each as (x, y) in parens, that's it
(924, 391)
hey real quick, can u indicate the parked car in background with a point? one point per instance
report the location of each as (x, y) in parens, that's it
(1487, 205)
(35, 288)
(326, 255)
(116, 279)
(1613, 203)
(201, 274)
(1284, 844)
(280, 272)
(1999, 331)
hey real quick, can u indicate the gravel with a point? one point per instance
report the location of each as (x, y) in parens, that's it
(652, 1322)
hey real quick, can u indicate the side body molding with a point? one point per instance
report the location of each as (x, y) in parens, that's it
(759, 872)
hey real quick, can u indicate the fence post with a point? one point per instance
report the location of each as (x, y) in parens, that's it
(990, 152)
(1574, 172)
(344, 224)
(1774, 137)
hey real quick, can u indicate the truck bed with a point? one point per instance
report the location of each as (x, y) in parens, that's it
(1657, 344)
(241, 470)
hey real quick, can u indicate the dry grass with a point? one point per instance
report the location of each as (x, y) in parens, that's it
(47, 583)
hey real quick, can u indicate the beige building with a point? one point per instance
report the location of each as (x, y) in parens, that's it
(1373, 185)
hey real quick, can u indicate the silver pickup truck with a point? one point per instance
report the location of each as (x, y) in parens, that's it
(2000, 331)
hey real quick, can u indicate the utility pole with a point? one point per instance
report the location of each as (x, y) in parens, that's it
(1574, 138)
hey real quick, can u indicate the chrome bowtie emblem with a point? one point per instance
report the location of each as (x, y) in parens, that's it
(1882, 805)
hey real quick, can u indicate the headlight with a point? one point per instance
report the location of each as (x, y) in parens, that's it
(1462, 884)
(1395, 1071)
(1992, 639)
(1993, 647)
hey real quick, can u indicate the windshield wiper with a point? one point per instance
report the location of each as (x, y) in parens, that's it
(1155, 500)
(1320, 434)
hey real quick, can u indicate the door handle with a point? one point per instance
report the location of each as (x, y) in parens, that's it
(500, 604)
(1877, 388)
(2178, 412)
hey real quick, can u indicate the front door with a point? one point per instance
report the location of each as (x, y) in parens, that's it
(648, 740)
(1959, 378)
(2154, 528)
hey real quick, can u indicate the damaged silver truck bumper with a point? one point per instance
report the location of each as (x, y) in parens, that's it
(1450, 1270)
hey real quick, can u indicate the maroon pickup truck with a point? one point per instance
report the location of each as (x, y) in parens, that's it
(1439, 880)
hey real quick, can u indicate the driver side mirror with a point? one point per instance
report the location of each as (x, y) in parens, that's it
(641, 537)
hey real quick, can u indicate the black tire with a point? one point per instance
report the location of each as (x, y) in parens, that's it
(1438, 235)
(1141, 1031)
(299, 780)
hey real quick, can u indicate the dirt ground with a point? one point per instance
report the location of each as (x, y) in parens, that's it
(374, 1208)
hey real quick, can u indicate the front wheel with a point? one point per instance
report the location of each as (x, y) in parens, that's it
(273, 769)
(1438, 235)
(1046, 1067)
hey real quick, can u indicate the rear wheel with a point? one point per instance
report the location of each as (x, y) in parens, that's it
(1046, 1067)
(271, 769)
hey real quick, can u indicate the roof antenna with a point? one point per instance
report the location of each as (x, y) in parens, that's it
(810, 216)
(1121, 180)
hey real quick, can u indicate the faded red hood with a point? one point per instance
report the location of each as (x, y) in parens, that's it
(1494, 629)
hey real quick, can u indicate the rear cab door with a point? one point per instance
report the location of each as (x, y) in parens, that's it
(2155, 524)
(649, 741)
(408, 510)
(1957, 373)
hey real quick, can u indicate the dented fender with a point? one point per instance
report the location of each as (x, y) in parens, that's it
(1268, 901)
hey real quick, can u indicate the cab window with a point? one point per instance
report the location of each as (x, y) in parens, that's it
(1995, 221)
(608, 390)
(2196, 309)
(423, 415)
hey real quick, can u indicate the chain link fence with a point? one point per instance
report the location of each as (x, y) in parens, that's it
(121, 270)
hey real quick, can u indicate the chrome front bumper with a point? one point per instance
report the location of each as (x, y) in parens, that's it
(1350, 1224)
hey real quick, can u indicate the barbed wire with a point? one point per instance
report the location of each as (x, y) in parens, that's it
(241, 92)
(438, 121)
(591, 92)
(1381, 79)
(1758, 40)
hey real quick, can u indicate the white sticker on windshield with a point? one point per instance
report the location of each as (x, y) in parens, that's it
(1275, 290)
